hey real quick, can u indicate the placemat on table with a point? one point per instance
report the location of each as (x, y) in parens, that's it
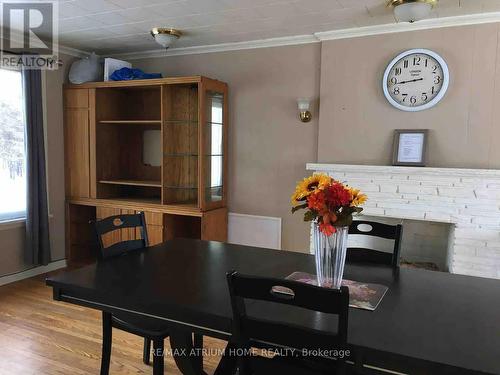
(366, 296)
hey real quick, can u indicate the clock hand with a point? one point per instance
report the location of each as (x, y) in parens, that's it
(412, 80)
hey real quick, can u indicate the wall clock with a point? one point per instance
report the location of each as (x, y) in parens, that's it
(416, 80)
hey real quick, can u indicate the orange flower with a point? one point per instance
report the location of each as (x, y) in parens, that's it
(316, 201)
(337, 195)
(326, 223)
(327, 229)
(329, 217)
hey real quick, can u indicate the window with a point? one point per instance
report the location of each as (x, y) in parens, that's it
(12, 146)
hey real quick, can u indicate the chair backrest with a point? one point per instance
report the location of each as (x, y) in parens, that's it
(119, 222)
(251, 329)
(374, 229)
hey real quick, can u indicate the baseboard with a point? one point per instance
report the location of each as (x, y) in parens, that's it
(32, 272)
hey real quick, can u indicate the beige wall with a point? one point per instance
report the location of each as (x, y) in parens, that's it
(357, 123)
(269, 148)
(12, 239)
(268, 145)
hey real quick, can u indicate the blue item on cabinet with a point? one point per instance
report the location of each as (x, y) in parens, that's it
(128, 74)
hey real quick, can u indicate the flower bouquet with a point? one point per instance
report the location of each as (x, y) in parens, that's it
(330, 205)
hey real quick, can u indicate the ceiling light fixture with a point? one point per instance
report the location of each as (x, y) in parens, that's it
(411, 10)
(165, 36)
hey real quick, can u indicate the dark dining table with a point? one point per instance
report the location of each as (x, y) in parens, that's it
(427, 323)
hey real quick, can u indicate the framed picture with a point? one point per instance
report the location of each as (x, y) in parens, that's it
(410, 147)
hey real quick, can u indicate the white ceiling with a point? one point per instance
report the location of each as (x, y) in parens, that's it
(120, 26)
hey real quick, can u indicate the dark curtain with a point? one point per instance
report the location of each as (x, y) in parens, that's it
(37, 250)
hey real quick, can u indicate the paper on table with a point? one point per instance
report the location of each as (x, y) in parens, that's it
(366, 296)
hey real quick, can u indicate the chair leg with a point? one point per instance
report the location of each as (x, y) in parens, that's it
(358, 362)
(106, 342)
(158, 356)
(198, 345)
(198, 341)
(187, 357)
(147, 351)
(342, 368)
(228, 364)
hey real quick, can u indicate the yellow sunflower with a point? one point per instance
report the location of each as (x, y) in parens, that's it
(309, 185)
(357, 197)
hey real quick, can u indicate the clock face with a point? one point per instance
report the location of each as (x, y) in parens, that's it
(416, 80)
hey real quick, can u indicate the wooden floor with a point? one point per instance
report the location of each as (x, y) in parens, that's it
(40, 336)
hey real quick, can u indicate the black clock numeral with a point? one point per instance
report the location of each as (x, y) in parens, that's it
(416, 61)
(437, 80)
(433, 90)
(424, 97)
(434, 69)
(405, 64)
(426, 62)
(397, 71)
(394, 80)
(413, 100)
(404, 97)
(396, 91)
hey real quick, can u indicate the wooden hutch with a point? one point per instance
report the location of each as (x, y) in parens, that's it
(157, 146)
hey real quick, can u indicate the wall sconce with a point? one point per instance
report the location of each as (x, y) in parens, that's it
(304, 105)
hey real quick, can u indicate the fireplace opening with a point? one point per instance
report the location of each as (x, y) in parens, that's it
(424, 244)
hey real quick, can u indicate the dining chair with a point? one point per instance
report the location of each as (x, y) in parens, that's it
(380, 230)
(251, 331)
(148, 328)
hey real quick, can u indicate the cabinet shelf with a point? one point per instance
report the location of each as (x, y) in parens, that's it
(182, 122)
(136, 200)
(180, 154)
(181, 187)
(148, 183)
(131, 122)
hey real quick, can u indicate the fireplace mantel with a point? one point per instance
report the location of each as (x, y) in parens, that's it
(469, 199)
(424, 171)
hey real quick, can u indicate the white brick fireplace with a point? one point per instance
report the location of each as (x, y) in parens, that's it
(469, 199)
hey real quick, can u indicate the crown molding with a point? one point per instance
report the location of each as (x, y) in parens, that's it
(223, 47)
(432, 23)
(73, 51)
(471, 19)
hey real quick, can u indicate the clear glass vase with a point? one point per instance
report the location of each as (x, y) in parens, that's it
(330, 252)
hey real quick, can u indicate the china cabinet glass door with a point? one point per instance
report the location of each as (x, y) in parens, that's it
(214, 125)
